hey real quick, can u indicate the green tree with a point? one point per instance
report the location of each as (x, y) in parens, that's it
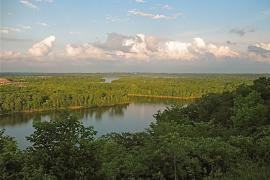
(62, 149)
(11, 162)
(249, 112)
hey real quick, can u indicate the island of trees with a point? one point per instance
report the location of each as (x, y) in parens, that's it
(219, 136)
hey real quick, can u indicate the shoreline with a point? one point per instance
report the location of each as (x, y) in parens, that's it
(163, 97)
(100, 106)
(69, 108)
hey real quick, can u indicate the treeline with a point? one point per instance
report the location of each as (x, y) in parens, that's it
(37, 93)
(220, 136)
(185, 87)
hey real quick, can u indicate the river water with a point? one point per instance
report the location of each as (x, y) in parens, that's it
(133, 117)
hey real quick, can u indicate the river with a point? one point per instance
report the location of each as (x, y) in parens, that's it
(133, 117)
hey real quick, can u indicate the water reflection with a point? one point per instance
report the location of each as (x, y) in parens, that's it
(97, 113)
(110, 79)
(131, 117)
(17, 119)
(164, 101)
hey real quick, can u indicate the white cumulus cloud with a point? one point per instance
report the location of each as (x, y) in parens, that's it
(200, 47)
(85, 51)
(140, 47)
(43, 47)
(149, 47)
(221, 51)
(175, 50)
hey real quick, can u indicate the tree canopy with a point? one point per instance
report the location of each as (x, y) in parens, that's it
(219, 136)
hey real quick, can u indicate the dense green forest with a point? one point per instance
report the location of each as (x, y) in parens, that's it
(219, 136)
(48, 92)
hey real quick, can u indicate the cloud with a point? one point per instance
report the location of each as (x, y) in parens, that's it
(138, 52)
(265, 46)
(260, 52)
(176, 50)
(4, 31)
(153, 16)
(47, 1)
(230, 42)
(221, 51)
(144, 47)
(114, 41)
(137, 48)
(10, 55)
(7, 30)
(39, 49)
(15, 39)
(42, 48)
(20, 28)
(112, 18)
(166, 6)
(241, 32)
(86, 51)
(140, 1)
(24, 27)
(116, 47)
(197, 49)
(74, 32)
(42, 24)
(28, 4)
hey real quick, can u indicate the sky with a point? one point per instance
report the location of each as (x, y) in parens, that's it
(172, 36)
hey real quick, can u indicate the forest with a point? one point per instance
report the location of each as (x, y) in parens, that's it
(222, 135)
(41, 92)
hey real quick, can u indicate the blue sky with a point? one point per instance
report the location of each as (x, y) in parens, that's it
(135, 35)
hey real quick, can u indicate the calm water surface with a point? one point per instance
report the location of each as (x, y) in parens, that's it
(133, 117)
(110, 79)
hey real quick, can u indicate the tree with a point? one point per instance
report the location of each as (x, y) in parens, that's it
(62, 149)
(10, 158)
(249, 112)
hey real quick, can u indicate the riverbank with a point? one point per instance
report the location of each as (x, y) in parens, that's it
(163, 97)
(63, 108)
(106, 105)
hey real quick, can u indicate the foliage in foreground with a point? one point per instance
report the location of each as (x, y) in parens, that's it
(221, 136)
